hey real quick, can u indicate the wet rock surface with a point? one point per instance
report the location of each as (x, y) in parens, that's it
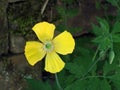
(13, 71)
(17, 44)
(13, 65)
(3, 27)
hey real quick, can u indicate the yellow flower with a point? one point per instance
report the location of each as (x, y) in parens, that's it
(35, 51)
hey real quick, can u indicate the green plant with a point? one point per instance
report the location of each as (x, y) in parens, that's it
(95, 63)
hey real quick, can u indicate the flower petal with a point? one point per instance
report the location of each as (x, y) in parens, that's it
(53, 63)
(34, 52)
(44, 31)
(64, 43)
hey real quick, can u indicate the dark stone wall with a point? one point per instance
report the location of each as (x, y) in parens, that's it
(3, 27)
(4, 40)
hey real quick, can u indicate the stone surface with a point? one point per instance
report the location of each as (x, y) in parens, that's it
(3, 27)
(17, 43)
(19, 62)
(3, 43)
(14, 69)
(12, 1)
(20, 65)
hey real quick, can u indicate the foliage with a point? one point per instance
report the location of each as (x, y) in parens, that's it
(95, 63)
(23, 23)
(65, 13)
(37, 85)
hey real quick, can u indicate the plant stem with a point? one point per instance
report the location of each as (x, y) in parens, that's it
(57, 81)
(93, 59)
(96, 77)
(91, 67)
(44, 6)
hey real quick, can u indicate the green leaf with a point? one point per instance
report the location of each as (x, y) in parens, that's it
(116, 81)
(83, 51)
(103, 41)
(98, 39)
(97, 84)
(104, 26)
(96, 30)
(37, 85)
(105, 44)
(93, 84)
(117, 52)
(116, 27)
(108, 68)
(105, 85)
(81, 66)
(116, 37)
(68, 80)
(77, 85)
(113, 2)
(103, 29)
(90, 84)
(75, 69)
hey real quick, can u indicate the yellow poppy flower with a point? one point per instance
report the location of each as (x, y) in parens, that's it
(62, 44)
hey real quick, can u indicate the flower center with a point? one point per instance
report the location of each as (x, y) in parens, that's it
(48, 46)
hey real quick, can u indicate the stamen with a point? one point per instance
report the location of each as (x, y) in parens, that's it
(48, 46)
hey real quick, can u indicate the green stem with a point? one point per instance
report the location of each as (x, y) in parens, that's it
(118, 6)
(93, 63)
(93, 59)
(111, 38)
(91, 67)
(57, 81)
(95, 77)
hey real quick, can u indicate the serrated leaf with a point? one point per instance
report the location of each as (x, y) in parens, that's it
(69, 79)
(81, 66)
(98, 39)
(83, 51)
(38, 85)
(89, 84)
(105, 85)
(96, 30)
(108, 68)
(116, 37)
(116, 81)
(74, 69)
(116, 27)
(77, 85)
(104, 42)
(97, 84)
(104, 25)
(117, 52)
(93, 84)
